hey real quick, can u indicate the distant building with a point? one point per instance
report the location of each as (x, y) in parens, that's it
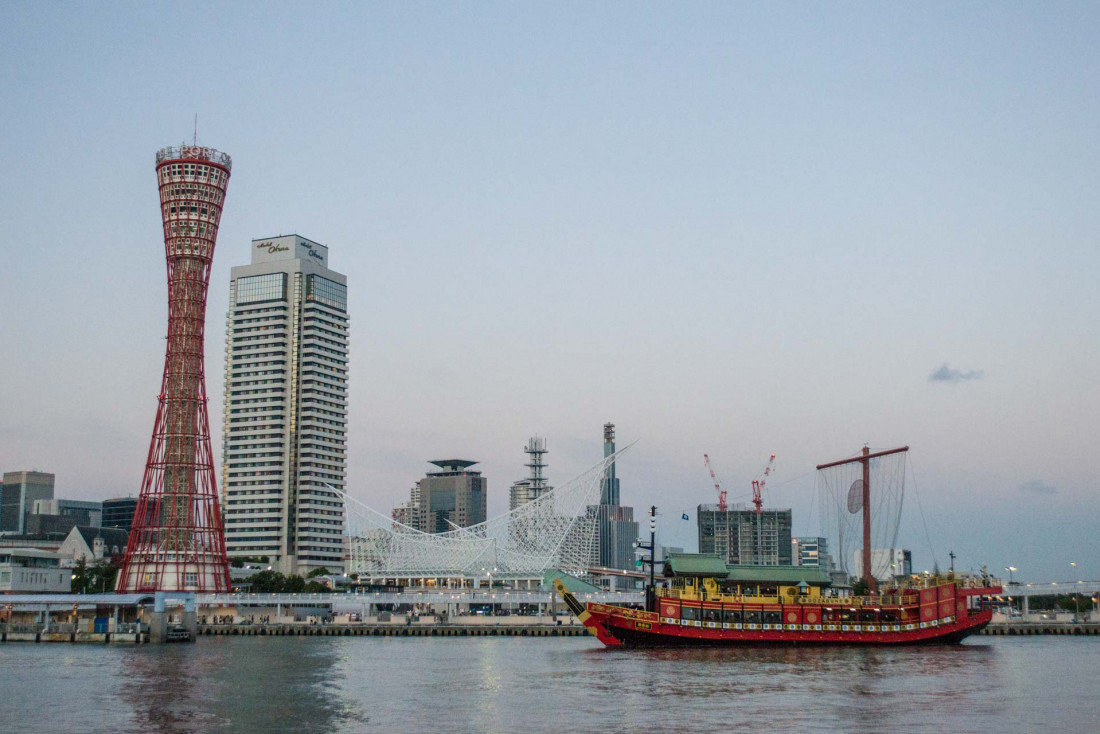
(885, 563)
(17, 496)
(616, 530)
(119, 512)
(454, 495)
(408, 512)
(82, 511)
(664, 551)
(38, 524)
(746, 538)
(812, 551)
(535, 485)
(32, 571)
(286, 408)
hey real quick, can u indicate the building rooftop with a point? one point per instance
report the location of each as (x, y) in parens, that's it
(695, 564)
(30, 553)
(452, 464)
(714, 566)
(112, 537)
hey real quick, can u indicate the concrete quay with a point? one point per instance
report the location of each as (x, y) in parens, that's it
(393, 630)
(130, 634)
(1042, 628)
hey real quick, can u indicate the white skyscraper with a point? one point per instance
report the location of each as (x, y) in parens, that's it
(286, 407)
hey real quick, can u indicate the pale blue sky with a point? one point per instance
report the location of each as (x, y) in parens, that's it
(729, 228)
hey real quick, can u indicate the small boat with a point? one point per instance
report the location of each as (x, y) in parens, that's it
(706, 601)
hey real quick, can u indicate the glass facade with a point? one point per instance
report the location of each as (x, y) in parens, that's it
(257, 288)
(328, 292)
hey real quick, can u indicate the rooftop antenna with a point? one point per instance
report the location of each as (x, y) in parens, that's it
(195, 138)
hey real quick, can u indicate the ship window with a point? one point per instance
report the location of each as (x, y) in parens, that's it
(712, 615)
(733, 616)
(690, 614)
(773, 617)
(752, 617)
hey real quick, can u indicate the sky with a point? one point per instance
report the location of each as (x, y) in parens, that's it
(728, 228)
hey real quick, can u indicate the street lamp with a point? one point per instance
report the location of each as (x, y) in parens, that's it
(1076, 599)
(1010, 570)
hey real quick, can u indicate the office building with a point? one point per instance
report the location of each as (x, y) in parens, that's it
(18, 494)
(453, 496)
(812, 551)
(744, 537)
(82, 512)
(286, 382)
(119, 512)
(408, 512)
(616, 530)
(535, 485)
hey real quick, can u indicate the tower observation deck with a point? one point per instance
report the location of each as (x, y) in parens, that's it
(177, 542)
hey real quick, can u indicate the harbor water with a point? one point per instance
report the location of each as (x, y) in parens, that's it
(516, 684)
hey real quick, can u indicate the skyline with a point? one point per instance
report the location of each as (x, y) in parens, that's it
(733, 231)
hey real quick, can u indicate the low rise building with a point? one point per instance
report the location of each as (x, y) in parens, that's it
(90, 544)
(30, 571)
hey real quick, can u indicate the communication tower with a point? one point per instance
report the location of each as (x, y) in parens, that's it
(177, 542)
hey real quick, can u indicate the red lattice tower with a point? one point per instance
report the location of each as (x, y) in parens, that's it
(177, 542)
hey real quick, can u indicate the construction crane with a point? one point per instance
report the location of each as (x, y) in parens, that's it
(721, 492)
(758, 486)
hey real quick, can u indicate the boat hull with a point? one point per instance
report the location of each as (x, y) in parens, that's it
(947, 615)
(619, 633)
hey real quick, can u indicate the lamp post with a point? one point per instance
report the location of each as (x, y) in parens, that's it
(1011, 570)
(651, 589)
(1076, 599)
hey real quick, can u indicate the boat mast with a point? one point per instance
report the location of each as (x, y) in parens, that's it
(865, 459)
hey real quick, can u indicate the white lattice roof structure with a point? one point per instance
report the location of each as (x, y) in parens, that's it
(551, 532)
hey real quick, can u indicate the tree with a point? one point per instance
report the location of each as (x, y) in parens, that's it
(860, 588)
(322, 571)
(267, 582)
(80, 577)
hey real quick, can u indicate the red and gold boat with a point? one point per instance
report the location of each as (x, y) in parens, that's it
(696, 610)
(705, 601)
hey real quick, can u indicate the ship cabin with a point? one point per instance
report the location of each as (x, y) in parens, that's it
(706, 577)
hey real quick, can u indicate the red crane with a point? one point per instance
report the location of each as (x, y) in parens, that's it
(721, 492)
(758, 486)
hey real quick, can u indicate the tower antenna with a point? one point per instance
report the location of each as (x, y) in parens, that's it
(195, 137)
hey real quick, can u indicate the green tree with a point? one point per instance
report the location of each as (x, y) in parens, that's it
(322, 571)
(80, 577)
(267, 582)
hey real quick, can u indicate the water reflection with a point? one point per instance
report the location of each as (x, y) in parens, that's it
(549, 684)
(230, 684)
